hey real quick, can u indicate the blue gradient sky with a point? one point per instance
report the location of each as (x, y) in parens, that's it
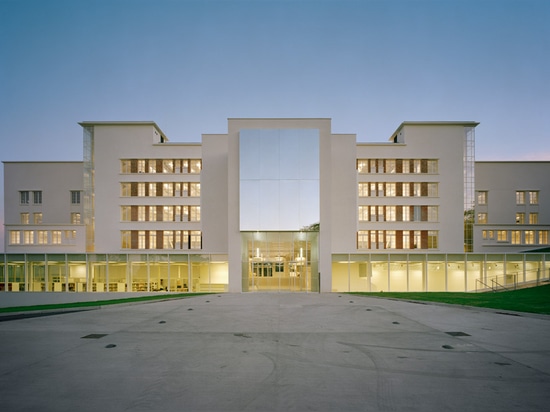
(189, 65)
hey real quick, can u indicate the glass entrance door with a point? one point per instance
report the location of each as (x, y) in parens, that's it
(280, 261)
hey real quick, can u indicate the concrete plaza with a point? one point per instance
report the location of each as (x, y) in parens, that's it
(276, 352)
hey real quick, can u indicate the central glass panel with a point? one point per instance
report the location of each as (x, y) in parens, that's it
(279, 179)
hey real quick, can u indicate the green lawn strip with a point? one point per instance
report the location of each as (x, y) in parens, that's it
(533, 300)
(98, 302)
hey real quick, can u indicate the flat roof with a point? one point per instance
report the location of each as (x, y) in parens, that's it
(124, 123)
(435, 123)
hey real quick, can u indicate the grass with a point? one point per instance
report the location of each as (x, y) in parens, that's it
(98, 302)
(532, 300)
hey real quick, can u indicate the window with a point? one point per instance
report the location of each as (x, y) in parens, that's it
(195, 189)
(432, 166)
(168, 189)
(141, 189)
(70, 236)
(502, 235)
(24, 197)
(15, 237)
(406, 239)
(533, 197)
(491, 234)
(363, 213)
(42, 237)
(141, 213)
(417, 213)
(390, 166)
(152, 189)
(28, 237)
(484, 234)
(168, 239)
(75, 218)
(482, 218)
(141, 166)
(167, 166)
(37, 218)
(533, 218)
(152, 239)
(417, 189)
(75, 197)
(417, 166)
(432, 239)
(363, 239)
(125, 213)
(152, 166)
(543, 237)
(482, 198)
(56, 237)
(126, 166)
(520, 198)
(363, 190)
(25, 218)
(406, 214)
(390, 189)
(126, 189)
(37, 197)
(126, 239)
(195, 166)
(406, 166)
(363, 166)
(390, 214)
(141, 239)
(152, 213)
(529, 237)
(516, 237)
(168, 213)
(196, 239)
(520, 218)
(433, 190)
(195, 213)
(390, 239)
(406, 190)
(433, 214)
(417, 239)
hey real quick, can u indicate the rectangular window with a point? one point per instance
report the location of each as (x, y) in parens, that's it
(152, 163)
(141, 189)
(417, 239)
(406, 239)
(516, 237)
(141, 214)
(529, 237)
(15, 237)
(380, 166)
(533, 218)
(125, 213)
(390, 189)
(42, 236)
(24, 197)
(433, 214)
(25, 218)
(362, 166)
(194, 189)
(196, 239)
(533, 197)
(417, 213)
(75, 197)
(406, 166)
(520, 198)
(432, 166)
(502, 235)
(37, 218)
(195, 213)
(152, 214)
(70, 236)
(363, 190)
(125, 189)
(417, 166)
(406, 214)
(168, 189)
(167, 166)
(141, 239)
(75, 218)
(126, 239)
(491, 234)
(482, 218)
(168, 214)
(433, 239)
(433, 190)
(152, 189)
(168, 239)
(406, 189)
(482, 198)
(390, 214)
(520, 218)
(363, 239)
(390, 239)
(28, 237)
(56, 237)
(195, 166)
(37, 197)
(417, 189)
(484, 234)
(141, 166)
(390, 166)
(363, 213)
(126, 166)
(543, 237)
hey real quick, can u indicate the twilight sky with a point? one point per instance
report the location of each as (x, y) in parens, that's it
(191, 64)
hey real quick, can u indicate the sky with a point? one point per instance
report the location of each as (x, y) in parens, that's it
(189, 65)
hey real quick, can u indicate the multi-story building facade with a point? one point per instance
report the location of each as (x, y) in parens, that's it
(273, 204)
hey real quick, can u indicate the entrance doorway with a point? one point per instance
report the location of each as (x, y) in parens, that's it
(280, 261)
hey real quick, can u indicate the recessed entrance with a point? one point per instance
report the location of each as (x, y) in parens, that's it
(280, 261)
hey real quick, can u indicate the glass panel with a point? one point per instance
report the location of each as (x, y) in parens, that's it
(57, 273)
(15, 272)
(398, 276)
(533, 266)
(158, 273)
(199, 273)
(139, 273)
(456, 278)
(118, 269)
(436, 273)
(340, 281)
(97, 272)
(179, 274)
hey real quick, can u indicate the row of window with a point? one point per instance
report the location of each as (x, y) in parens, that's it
(532, 196)
(517, 237)
(25, 197)
(398, 213)
(397, 239)
(397, 166)
(404, 189)
(532, 218)
(37, 218)
(161, 239)
(42, 237)
(178, 166)
(164, 189)
(160, 213)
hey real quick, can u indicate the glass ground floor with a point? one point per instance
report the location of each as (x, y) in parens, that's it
(270, 262)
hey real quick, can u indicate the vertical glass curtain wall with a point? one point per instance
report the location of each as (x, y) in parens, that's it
(113, 273)
(437, 272)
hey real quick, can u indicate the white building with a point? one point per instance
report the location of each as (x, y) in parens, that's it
(273, 204)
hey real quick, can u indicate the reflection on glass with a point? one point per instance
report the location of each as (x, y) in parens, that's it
(279, 178)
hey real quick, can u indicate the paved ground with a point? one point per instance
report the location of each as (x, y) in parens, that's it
(276, 352)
